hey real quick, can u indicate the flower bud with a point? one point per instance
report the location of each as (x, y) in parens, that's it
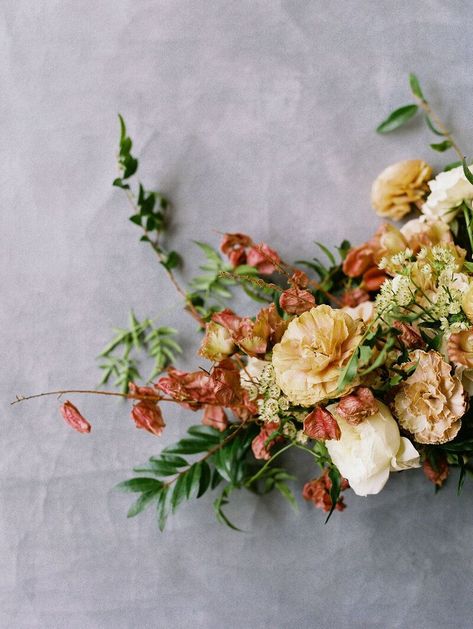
(358, 406)
(73, 417)
(296, 301)
(438, 475)
(147, 415)
(320, 424)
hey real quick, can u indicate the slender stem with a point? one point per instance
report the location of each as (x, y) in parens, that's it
(211, 452)
(441, 127)
(157, 249)
(128, 396)
(466, 214)
(265, 466)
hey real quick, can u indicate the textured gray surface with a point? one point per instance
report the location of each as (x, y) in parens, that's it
(256, 116)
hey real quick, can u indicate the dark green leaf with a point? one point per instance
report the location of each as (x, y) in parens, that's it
(452, 165)
(468, 174)
(205, 478)
(140, 485)
(163, 507)
(179, 491)
(287, 493)
(336, 480)
(141, 503)
(136, 218)
(397, 118)
(441, 146)
(193, 480)
(205, 432)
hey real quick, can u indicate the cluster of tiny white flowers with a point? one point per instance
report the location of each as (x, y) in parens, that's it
(439, 266)
(273, 401)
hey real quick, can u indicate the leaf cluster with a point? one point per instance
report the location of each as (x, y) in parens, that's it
(172, 478)
(402, 115)
(330, 273)
(119, 356)
(150, 207)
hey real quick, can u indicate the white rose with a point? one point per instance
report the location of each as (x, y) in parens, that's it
(448, 190)
(366, 454)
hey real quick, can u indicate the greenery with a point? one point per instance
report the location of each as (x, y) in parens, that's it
(120, 357)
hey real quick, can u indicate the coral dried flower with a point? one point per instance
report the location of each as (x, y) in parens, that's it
(296, 301)
(357, 406)
(321, 424)
(147, 415)
(317, 491)
(73, 417)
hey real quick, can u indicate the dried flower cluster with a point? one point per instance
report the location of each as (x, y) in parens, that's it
(363, 363)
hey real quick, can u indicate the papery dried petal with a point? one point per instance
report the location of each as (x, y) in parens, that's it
(409, 336)
(215, 417)
(147, 416)
(263, 258)
(234, 241)
(373, 279)
(139, 391)
(73, 417)
(299, 279)
(317, 491)
(358, 260)
(439, 475)
(260, 449)
(320, 424)
(354, 297)
(296, 301)
(357, 406)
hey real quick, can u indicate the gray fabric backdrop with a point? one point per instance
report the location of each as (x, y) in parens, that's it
(254, 116)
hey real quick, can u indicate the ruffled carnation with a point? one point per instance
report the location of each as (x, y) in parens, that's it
(400, 186)
(312, 352)
(430, 403)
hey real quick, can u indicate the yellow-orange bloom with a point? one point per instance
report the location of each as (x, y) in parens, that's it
(400, 186)
(315, 347)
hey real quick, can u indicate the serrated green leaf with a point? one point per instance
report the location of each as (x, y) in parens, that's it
(397, 118)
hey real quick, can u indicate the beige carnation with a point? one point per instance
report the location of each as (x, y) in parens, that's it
(313, 350)
(430, 403)
(460, 348)
(399, 186)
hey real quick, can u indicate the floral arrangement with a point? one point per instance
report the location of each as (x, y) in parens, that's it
(363, 362)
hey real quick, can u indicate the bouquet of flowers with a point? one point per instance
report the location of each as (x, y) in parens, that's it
(362, 361)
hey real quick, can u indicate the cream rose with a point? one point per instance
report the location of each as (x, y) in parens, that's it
(448, 190)
(313, 350)
(400, 186)
(366, 453)
(430, 403)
